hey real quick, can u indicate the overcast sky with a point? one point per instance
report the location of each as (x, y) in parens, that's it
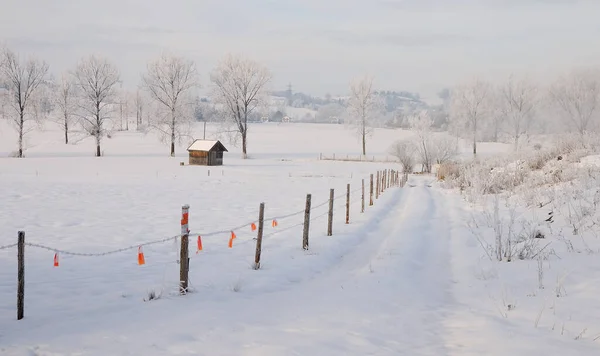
(317, 45)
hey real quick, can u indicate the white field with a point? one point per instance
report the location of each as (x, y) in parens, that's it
(405, 277)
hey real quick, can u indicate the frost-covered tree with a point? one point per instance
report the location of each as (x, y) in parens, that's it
(431, 147)
(170, 81)
(65, 100)
(421, 124)
(405, 152)
(577, 96)
(239, 87)
(23, 80)
(364, 107)
(96, 80)
(519, 98)
(469, 104)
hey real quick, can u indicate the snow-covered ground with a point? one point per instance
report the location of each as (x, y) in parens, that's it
(406, 277)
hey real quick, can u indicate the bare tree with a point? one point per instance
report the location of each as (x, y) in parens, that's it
(444, 147)
(96, 79)
(239, 88)
(363, 107)
(497, 115)
(421, 124)
(469, 104)
(22, 80)
(578, 97)
(65, 99)
(405, 151)
(519, 100)
(140, 104)
(168, 82)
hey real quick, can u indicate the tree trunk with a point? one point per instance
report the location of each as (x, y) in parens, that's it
(172, 133)
(475, 138)
(364, 143)
(98, 149)
(66, 131)
(21, 124)
(244, 145)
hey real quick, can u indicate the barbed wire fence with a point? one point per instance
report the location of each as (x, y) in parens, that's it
(384, 179)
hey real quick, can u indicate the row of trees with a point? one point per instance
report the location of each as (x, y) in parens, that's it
(89, 96)
(519, 106)
(480, 110)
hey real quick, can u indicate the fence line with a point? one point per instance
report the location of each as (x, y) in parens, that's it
(354, 158)
(386, 179)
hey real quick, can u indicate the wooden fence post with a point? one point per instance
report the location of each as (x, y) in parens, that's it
(348, 204)
(378, 183)
(21, 275)
(362, 204)
(330, 215)
(371, 191)
(385, 175)
(306, 223)
(259, 236)
(184, 260)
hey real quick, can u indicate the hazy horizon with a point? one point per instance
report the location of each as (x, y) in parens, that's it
(414, 45)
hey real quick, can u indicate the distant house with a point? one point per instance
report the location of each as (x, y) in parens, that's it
(286, 119)
(206, 153)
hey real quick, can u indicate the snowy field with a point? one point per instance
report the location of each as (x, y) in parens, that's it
(407, 277)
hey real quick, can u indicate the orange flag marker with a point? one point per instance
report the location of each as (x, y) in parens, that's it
(56, 259)
(141, 259)
(199, 244)
(274, 223)
(231, 239)
(253, 226)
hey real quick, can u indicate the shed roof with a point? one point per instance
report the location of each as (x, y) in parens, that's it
(206, 145)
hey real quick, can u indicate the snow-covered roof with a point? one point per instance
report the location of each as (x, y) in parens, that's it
(205, 145)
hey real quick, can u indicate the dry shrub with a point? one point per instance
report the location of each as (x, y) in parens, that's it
(448, 170)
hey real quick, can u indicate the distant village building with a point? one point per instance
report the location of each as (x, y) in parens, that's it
(206, 153)
(286, 119)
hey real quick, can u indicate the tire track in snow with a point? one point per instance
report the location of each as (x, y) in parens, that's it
(387, 296)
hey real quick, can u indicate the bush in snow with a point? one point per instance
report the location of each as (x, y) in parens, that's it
(404, 151)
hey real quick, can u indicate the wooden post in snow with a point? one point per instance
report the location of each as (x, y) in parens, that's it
(371, 191)
(184, 260)
(330, 214)
(362, 204)
(21, 275)
(378, 183)
(259, 236)
(348, 204)
(306, 223)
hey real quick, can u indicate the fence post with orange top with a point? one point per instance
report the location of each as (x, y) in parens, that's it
(184, 260)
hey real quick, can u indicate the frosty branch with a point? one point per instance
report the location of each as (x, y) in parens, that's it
(96, 78)
(239, 88)
(363, 106)
(23, 80)
(168, 82)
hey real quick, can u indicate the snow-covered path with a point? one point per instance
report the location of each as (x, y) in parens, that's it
(387, 295)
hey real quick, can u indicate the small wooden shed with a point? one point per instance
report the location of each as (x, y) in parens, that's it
(206, 153)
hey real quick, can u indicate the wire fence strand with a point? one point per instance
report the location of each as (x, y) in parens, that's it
(205, 234)
(8, 246)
